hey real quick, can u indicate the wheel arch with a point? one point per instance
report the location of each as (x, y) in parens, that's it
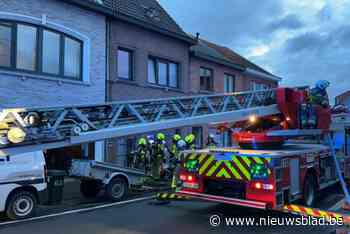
(119, 175)
(27, 188)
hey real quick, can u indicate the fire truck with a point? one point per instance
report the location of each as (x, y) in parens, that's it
(266, 173)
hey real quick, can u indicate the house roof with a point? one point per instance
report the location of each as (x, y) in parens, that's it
(214, 52)
(341, 97)
(145, 13)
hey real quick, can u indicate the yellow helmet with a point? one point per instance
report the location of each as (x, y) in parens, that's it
(142, 141)
(160, 136)
(176, 137)
(189, 139)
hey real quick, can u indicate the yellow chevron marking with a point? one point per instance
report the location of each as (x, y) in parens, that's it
(309, 211)
(213, 168)
(268, 159)
(206, 164)
(202, 157)
(323, 214)
(234, 172)
(224, 173)
(246, 160)
(192, 156)
(258, 160)
(164, 195)
(172, 196)
(295, 208)
(241, 167)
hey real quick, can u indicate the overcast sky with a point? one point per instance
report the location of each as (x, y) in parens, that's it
(300, 40)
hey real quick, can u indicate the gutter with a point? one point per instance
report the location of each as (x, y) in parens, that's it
(261, 75)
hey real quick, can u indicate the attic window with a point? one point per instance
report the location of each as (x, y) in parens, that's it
(152, 13)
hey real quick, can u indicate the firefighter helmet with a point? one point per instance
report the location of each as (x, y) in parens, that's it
(322, 84)
(176, 137)
(189, 139)
(160, 136)
(181, 144)
(142, 141)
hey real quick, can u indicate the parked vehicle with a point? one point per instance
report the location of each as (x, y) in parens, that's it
(95, 176)
(23, 184)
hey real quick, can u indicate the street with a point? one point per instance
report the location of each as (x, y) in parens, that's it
(143, 217)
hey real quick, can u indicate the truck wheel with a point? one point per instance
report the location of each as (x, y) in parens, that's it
(21, 205)
(117, 189)
(310, 191)
(90, 188)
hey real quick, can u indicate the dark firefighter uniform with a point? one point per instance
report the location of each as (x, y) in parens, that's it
(158, 155)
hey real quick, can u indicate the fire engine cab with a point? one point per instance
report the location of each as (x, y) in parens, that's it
(264, 179)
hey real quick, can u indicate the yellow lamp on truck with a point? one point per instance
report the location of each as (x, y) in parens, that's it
(16, 135)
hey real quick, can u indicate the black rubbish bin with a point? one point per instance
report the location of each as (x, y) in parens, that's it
(55, 186)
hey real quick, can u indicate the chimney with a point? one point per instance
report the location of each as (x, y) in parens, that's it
(197, 36)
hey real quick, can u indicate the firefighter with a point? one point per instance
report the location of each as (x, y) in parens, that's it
(175, 150)
(190, 141)
(317, 97)
(318, 94)
(158, 155)
(211, 141)
(142, 148)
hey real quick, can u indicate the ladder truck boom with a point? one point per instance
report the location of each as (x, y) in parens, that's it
(25, 130)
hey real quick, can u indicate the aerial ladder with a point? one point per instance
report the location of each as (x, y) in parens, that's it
(31, 129)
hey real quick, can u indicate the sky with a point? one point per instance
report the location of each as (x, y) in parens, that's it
(301, 41)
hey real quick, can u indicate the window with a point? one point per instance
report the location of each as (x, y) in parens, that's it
(124, 61)
(72, 58)
(173, 75)
(163, 72)
(51, 52)
(229, 83)
(38, 50)
(198, 132)
(5, 45)
(152, 71)
(26, 47)
(206, 79)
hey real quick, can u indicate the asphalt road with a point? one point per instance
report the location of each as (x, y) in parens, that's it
(141, 217)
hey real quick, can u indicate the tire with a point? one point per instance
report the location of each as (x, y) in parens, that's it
(90, 188)
(310, 191)
(21, 205)
(117, 189)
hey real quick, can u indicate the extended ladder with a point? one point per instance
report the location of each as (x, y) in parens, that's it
(26, 130)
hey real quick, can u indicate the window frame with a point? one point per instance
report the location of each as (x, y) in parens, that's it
(158, 60)
(131, 64)
(231, 77)
(13, 24)
(211, 88)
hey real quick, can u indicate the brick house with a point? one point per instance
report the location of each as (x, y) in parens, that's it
(343, 99)
(218, 69)
(62, 52)
(148, 58)
(53, 53)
